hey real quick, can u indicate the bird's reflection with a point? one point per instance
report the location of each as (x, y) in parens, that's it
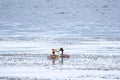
(60, 62)
(53, 62)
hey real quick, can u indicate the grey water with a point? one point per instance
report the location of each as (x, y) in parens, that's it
(104, 38)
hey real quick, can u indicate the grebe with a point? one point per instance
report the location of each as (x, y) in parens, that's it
(53, 56)
(63, 55)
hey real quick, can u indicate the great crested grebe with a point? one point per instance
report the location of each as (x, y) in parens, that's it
(63, 55)
(53, 56)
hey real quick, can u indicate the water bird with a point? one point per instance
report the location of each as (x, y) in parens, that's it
(53, 55)
(62, 54)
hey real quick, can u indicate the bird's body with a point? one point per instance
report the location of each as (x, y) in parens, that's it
(54, 57)
(64, 56)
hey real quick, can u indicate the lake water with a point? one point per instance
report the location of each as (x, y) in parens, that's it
(93, 48)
